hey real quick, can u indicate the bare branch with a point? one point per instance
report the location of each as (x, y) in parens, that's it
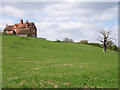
(101, 41)
(108, 34)
(100, 38)
(111, 39)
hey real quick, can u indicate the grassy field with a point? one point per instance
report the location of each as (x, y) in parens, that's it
(36, 63)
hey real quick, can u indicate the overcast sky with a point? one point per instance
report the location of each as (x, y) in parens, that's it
(75, 20)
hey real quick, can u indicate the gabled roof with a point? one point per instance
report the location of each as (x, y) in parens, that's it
(8, 27)
(24, 25)
(19, 26)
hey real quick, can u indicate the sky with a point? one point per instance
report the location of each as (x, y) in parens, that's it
(57, 20)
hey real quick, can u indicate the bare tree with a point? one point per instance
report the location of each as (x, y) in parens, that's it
(68, 40)
(105, 38)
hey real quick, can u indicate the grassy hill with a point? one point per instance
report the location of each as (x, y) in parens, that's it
(35, 63)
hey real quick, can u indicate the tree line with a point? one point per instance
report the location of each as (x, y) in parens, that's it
(110, 44)
(104, 38)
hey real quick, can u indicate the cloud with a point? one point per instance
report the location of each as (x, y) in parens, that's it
(114, 33)
(5, 21)
(75, 30)
(58, 20)
(82, 10)
(12, 11)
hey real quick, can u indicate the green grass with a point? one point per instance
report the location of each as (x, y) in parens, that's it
(35, 63)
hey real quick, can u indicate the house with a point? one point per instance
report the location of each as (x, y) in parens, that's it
(22, 29)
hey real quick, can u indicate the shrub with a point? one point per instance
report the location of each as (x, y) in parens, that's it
(114, 47)
(109, 47)
(84, 41)
(29, 34)
(58, 40)
(96, 44)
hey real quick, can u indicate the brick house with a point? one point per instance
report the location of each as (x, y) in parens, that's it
(22, 29)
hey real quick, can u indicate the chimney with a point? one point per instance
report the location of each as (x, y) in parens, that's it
(26, 23)
(21, 21)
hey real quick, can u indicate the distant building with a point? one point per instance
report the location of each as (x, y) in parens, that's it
(22, 29)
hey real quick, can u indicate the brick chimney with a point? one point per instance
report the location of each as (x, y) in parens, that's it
(21, 21)
(26, 23)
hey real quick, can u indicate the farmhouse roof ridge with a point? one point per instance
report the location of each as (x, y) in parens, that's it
(22, 28)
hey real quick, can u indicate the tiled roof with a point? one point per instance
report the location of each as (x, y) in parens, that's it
(24, 25)
(8, 27)
(20, 26)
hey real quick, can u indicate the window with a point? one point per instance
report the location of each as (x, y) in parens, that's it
(33, 35)
(33, 30)
(22, 35)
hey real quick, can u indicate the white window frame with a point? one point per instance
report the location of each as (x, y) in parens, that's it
(33, 30)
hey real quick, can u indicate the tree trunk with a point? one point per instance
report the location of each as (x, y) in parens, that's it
(104, 45)
(104, 48)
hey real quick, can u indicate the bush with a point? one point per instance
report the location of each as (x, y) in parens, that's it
(43, 38)
(96, 44)
(84, 41)
(58, 40)
(114, 47)
(109, 47)
(29, 34)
